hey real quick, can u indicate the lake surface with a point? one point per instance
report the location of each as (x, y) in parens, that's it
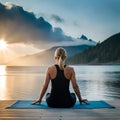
(96, 82)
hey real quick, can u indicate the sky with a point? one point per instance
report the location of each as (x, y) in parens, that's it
(41, 24)
(97, 19)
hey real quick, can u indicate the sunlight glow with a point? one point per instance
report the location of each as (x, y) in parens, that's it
(2, 70)
(3, 44)
(2, 82)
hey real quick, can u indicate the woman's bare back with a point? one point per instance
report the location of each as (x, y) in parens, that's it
(53, 72)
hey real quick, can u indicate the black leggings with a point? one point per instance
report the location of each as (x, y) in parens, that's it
(63, 103)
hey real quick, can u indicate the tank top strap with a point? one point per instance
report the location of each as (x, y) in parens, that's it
(57, 67)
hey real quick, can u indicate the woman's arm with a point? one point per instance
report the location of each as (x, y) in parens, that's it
(44, 87)
(76, 88)
(75, 85)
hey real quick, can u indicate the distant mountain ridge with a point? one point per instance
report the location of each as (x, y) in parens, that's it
(46, 57)
(83, 37)
(107, 52)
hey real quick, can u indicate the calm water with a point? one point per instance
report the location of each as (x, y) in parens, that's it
(95, 82)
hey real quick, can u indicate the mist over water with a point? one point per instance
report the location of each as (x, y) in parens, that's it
(95, 82)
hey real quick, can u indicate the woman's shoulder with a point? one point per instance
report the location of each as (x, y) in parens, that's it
(69, 68)
(52, 67)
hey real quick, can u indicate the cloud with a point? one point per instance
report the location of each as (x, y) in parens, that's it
(20, 26)
(8, 5)
(57, 18)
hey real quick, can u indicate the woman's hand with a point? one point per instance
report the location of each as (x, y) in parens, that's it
(36, 102)
(84, 101)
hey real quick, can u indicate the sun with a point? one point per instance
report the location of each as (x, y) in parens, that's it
(3, 44)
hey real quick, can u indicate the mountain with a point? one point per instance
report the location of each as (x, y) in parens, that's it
(45, 57)
(86, 40)
(107, 52)
(83, 37)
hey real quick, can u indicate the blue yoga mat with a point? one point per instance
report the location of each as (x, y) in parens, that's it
(27, 104)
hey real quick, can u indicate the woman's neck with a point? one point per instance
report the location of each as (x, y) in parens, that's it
(58, 63)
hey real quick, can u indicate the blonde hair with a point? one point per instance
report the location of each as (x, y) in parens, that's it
(60, 56)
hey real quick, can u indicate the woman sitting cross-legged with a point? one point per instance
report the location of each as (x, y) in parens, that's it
(60, 76)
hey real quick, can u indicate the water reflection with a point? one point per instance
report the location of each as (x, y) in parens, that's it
(99, 82)
(95, 82)
(2, 82)
(2, 70)
(20, 82)
(113, 85)
(92, 84)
